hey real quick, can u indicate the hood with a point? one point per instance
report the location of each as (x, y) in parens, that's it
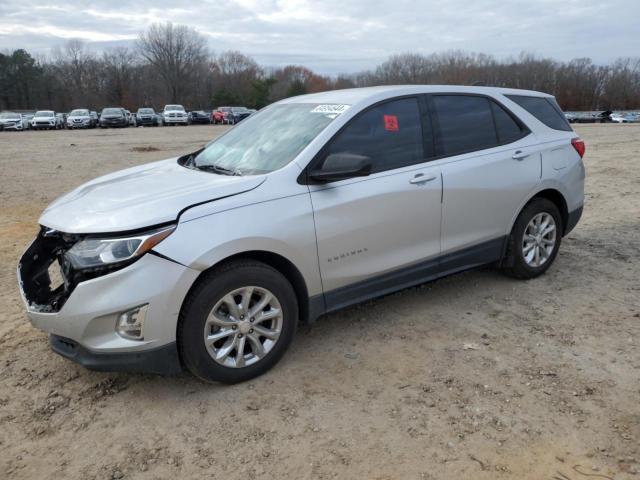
(140, 197)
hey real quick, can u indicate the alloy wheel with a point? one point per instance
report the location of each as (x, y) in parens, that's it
(539, 239)
(243, 327)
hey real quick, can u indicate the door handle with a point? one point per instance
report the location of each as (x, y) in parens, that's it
(420, 178)
(520, 155)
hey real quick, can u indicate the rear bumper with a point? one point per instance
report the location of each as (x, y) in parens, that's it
(163, 360)
(572, 219)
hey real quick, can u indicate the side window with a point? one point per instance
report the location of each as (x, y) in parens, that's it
(508, 129)
(465, 123)
(390, 134)
(544, 109)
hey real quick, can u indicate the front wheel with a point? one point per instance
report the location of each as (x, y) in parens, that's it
(534, 241)
(237, 323)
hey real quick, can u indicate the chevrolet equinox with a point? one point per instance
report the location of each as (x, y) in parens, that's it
(208, 261)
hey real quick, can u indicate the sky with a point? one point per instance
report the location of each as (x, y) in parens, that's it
(339, 36)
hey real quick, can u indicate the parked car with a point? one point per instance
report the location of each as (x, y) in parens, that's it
(148, 116)
(237, 114)
(80, 118)
(175, 115)
(13, 121)
(200, 116)
(28, 117)
(94, 118)
(113, 117)
(45, 119)
(220, 114)
(62, 120)
(348, 198)
(618, 118)
(131, 118)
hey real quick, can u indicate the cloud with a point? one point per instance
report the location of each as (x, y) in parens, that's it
(339, 35)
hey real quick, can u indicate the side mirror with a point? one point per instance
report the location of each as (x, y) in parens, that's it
(340, 166)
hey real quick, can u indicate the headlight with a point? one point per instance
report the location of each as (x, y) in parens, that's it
(98, 252)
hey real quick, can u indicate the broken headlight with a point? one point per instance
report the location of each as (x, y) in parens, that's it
(97, 252)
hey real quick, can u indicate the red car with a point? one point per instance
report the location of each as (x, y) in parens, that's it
(220, 114)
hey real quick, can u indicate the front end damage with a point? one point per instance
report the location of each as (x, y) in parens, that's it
(46, 276)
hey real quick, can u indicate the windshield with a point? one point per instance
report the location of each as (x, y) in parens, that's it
(238, 109)
(45, 113)
(268, 140)
(174, 107)
(145, 110)
(7, 115)
(79, 113)
(111, 111)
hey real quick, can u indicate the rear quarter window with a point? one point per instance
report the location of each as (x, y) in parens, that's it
(508, 129)
(544, 109)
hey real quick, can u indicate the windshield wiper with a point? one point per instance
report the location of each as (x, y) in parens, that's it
(219, 169)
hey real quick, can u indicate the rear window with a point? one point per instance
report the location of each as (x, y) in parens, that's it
(465, 124)
(544, 109)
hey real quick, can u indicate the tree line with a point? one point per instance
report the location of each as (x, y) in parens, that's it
(172, 64)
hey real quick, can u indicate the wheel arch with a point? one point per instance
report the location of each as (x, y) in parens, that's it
(559, 201)
(279, 263)
(556, 197)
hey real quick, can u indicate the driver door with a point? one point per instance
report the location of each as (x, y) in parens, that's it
(382, 231)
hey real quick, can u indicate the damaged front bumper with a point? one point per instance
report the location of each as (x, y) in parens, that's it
(81, 310)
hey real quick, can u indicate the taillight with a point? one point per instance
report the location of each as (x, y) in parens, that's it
(579, 145)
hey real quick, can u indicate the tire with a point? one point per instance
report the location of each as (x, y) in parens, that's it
(523, 265)
(208, 294)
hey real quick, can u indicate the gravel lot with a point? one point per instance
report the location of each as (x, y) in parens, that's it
(474, 376)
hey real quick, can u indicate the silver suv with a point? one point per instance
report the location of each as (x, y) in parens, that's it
(208, 261)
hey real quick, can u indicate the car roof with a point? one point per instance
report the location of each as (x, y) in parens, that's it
(354, 96)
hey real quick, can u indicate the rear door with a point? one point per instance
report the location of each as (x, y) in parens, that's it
(490, 164)
(373, 230)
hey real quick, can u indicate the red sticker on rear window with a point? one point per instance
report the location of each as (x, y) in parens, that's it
(391, 123)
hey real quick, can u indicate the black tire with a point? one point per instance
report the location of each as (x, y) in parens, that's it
(201, 300)
(514, 263)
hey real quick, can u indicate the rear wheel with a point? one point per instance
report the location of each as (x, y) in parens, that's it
(237, 323)
(535, 240)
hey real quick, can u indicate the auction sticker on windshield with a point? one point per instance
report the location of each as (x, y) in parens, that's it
(330, 109)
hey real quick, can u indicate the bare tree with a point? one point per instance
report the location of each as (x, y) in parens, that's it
(74, 66)
(173, 65)
(119, 72)
(175, 52)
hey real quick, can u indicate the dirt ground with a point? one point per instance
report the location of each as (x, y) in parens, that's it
(476, 376)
